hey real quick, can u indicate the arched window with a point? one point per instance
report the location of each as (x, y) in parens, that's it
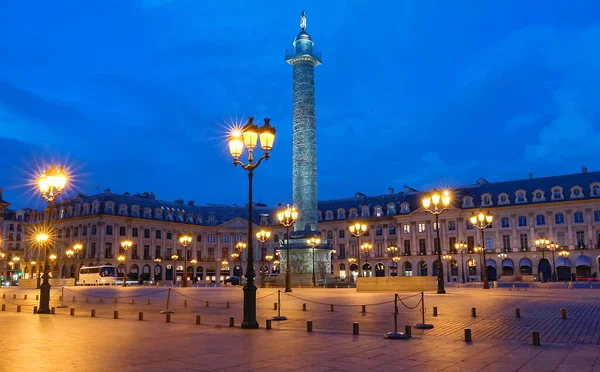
(408, 269)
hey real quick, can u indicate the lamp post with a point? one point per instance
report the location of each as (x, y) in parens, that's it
(436, 204)
(157, 260)
(461, 246)
(447, 258)
(357, 230)
(15, 263)
(174, 257)
(268, 258)
(366, 248)
(194, 261)
(287, 218)
(262, 236)
(70, 254)
(564, 254)
(53, 258)
(554, 246)
(392, 250)
(239, 248)
(482, 221)
(396, 259)
(2, 255)
(185, 241)
(125, 244)
(479, 250)
(542, 243)
(313, 242)
(77, 247)
(51, 183)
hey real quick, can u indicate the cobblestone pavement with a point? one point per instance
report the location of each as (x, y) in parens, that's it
(495, 320)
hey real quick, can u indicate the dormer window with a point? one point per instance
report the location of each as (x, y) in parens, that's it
(467, 202)
(538, 196)
(576, 192)
(329, 216)
(391, 210)
(364, 211)
(486, 199)
(353, 213)
(378, 212)
(158, 214)
(319, 217)
(147, 213)
(123, 210)
(595, 190)
(341, 214)
(557, 193)
(520, 195)
(503, 199)
(109, 208)
(405, 208)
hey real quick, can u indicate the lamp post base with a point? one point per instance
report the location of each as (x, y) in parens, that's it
(396, 336)
(441, 291)
(288, 282)
(44, 299)
(424, 326)
(249, 321)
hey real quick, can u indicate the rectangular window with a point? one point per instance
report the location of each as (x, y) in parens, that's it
(451, 244)
(436, 245)
(451, 225)
(505, 222)
(211, 238)
(540, 220)
(157, 252)
(276, 238)
(67, 232)
(225, 238)
(199, 255)
(559, 219)
(506, 243)
(134, 232)
(93, 250)
(146, 252)
(522, 221)
(122, 231)
(158, 234)
(470, 244)
(578, 217)
(169, 253)
(211, 253)
(469, 225)
(392, 230)
(378, 231)
(342, 250)
(76, 231)
(407, 247)
(580, 238)
(561, 238)
(169, 235)
(597, 216)
(147, 233)
(134, 251)
(406, 229)
(199, 238)
(109, 229)
(421, 227)
(329, 234)
(489, 243)
(422, 247)
(108, 250)
(524, 240)
(435, 226)
(342, 234)
(225, 254)
(84, 231)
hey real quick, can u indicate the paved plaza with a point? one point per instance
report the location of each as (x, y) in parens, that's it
(500, 341)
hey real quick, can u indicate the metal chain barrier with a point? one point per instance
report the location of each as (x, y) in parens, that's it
(345, 305)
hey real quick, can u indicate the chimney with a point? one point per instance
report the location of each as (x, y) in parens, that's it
(107, 191)
(191, 203)
(178, 201)
(583, 170)
(390, 190)
(530, 175)
(127, 193)
(406, 189)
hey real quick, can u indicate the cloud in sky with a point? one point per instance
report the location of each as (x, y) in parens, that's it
(423, 93)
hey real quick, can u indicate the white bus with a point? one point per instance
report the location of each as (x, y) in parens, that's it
(97, 275)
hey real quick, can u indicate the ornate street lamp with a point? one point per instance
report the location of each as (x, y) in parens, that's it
(357, 230)
(436, 204)
(482, 221)
(313, 242)
(77, 247)
(461, 246)
(447, 258)
(239, 139)
(174, 257)
(396, 259)
(125, 244)
(392, 251)
(269, 258)
(237, 254)
(185, 240)
(262, 236)
(564, 254)
(366, 248)
(287, 218)
(479, 250)
(51, 183)
(502, 256)
(554, 246)
(542, 243)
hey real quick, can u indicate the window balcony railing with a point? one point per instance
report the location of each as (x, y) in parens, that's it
(507, 250)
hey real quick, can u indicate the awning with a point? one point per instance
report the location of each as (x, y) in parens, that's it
(583, 261)
(507, 262)
(491, 263)
(525, 262)
(563, 262)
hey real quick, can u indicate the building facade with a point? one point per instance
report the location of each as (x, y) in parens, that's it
(565, 209)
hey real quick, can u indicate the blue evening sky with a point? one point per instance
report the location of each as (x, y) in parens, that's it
(134, 94)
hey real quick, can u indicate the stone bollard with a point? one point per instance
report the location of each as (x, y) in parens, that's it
(115, 301)
(101, 300)
(93, 313)
(3, 307)
(148, 302)
(331, 307)
(72, 311)
(35, 309)
(354, 328)
(74, 300)
(269, 323)
(535, 338)
(227, 305)
(18, 308)
(14, 297)
(517, 313)
(467, 334)
(116, 314)
(473, 312)
(37, 297)
(205, 303)
(198, 319)
(563, 314)
(408, 331)
(231, 321)
(435, 311)
(168, 320)
(133, 301)
(570, 285)
(274, 305)
(87, 299)
(53, 310)
(140, 316)
(364, 309)
(3, 295)
(309, 326)
(184, 303)
(25, 297)
(303, 307)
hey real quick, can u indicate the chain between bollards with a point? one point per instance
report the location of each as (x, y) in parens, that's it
(278, 317)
